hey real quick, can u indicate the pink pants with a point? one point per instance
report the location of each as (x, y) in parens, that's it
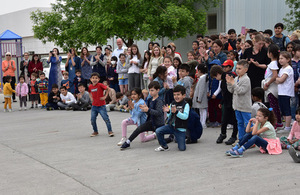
(129, 121)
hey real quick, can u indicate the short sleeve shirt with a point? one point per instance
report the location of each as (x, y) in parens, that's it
(270, 133)
(272, 66)
(287, 87)
(97, 93)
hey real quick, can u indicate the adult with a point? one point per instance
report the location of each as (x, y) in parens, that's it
(280, 39)
(135, 63)
(195, 47)
(98, 64)
(258, 59)
(223, 38)
(72, 63)
(170, 52)
(107, 57)
(155, 61)
(118, 50)
(35, 65)
(231, 43)
(177, 54)
(9, 68)
(86, 68)
(216, 53)
(55, 75)
(24, 67)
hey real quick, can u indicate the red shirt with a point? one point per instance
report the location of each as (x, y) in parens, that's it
(97, 93)
(32, 87)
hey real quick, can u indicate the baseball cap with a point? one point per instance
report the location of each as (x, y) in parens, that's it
(215, 62)
(228, 63)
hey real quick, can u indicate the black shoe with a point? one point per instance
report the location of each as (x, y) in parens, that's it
(124, 146)
(32, 107)
(230, 141)
(189, 141)
(221, 138)
(15, 101)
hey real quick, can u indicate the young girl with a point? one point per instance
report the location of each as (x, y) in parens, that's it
(144, 69)
(33, 91)
(262, 134)
(155, 61)
(285, 81)
(233, 55)
(268, 84)
(22, 91)
(7, 92)
(122, 70)
(177, 63)
(200, 103)
(135, 62)
(112, 74)
(294, 137)
(137, 116)
(169, 98)
(160, 76)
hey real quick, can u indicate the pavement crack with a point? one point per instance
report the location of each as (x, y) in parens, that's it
(51, 167)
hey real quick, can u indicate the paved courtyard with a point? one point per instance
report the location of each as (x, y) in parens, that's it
(51, 153)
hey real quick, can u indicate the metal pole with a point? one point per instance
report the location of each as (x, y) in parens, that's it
(17, 61)
(1, 64)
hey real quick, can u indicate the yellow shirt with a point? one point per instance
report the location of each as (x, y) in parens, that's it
(7, 90)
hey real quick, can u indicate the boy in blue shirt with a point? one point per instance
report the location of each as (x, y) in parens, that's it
(178, 114)
(67, 82)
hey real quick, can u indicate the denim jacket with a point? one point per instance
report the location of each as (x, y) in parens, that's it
(137, 115)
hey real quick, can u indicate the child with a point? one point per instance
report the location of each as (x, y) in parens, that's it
(232, 55)
(295, 156)
(226, 103)
(155, 115)
(122, 101)
(135, 63)
(83, 102)
(285, 81)
(67, 99)
(111, 99)
(54, 98)
(178, 114)
(96, 90)
(171, 73)
(43, 89)
(33, 91)
(200, 103)
(67, 82)
(240, 87)
(7, 92)
(257, 95)
(144, 69)
(145, 94)
(122, 70)
(137, 116)
(112, 74)
(77, 80)
(22, 92)
(294, 137)
(261, 134)
(160, 76)
(184, 80)
(296, 68)
(269, 84)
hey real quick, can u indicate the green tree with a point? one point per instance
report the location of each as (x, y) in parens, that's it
(72, 23)
(292, 19)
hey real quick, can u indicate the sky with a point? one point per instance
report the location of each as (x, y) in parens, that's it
(16, 5)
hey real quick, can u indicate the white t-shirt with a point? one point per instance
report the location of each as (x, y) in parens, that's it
(287, 87)
(272, 66)
(117, 52)
(69, 98)
(134, 68)
(145, 76)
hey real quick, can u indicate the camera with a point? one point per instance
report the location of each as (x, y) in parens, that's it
(51, 53)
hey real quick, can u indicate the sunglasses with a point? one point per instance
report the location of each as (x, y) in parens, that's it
(209, 41)
(7, 55)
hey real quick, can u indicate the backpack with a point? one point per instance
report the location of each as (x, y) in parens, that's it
(194, 126)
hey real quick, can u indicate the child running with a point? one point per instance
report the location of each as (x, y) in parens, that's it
(137, 116)
(261, 134)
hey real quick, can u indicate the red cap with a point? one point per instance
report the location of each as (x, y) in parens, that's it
(228, 63)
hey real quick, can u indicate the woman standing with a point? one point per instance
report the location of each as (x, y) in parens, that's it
(86, 68)
(55, 75)
(9, 68)
(24, 64)
(155, 61)
(35, 65)
(72, 63)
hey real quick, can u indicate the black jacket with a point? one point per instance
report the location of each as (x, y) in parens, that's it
(227, 96)
(179, 123)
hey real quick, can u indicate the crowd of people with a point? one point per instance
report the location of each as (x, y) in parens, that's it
(248, 82)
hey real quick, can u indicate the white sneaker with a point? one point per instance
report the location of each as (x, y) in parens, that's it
(9, 110)
(161, 149)
(25, 108)
(5, 110)
(229, 126)
(123, 140)
(285, 130)
(20, 109)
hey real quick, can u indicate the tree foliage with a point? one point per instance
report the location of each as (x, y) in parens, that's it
(72, 23)
(292, 19)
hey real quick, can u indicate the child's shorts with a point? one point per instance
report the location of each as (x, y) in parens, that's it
(284, 105)
(123, 81)
(34, 97)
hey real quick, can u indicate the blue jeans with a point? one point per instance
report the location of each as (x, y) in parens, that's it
(242, 121)
(168, 129)
(248, 140)
(102, 111)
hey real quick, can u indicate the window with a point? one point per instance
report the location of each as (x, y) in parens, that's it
(212, 21)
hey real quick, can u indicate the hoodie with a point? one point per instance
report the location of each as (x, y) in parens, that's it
(187, 83)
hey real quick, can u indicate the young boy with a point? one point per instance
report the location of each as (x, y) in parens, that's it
(184, 80)
(111, 99)
(83, 99)
(33, 91)
(67, 82)
(226, 102)
(96, 90)
(54, 98)
(155, 114)
(178, 114)
(67, 99)
(122, 101)
(43, 89)
(7, 92)
(240, 87)
(257, 95)
(77, 80)
(280, 39)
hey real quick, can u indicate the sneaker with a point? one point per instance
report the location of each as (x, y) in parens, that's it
(94, 134)
(68, 108)
(32, 106)
(229, 126)
(232, 149)
(160, 149)
(20, 109)
(189, 141)
(236, 154)
(124, 146)
(111, 134)
(36, 106)
(295, 156)
(285, 130)
(123, 140)
(278, 125)
(5, 110)
(230, 141)
(9, 110)
(49, 108)
(221, 138)
(25, 108)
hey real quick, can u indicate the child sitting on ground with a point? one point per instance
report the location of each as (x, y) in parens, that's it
(67, 99)
(257, 95)
(122, 101)
(83, 102)
(111, 99)
(33, 91)
(294, 137)
(261, 134)
(54, 98)
(22, 92)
